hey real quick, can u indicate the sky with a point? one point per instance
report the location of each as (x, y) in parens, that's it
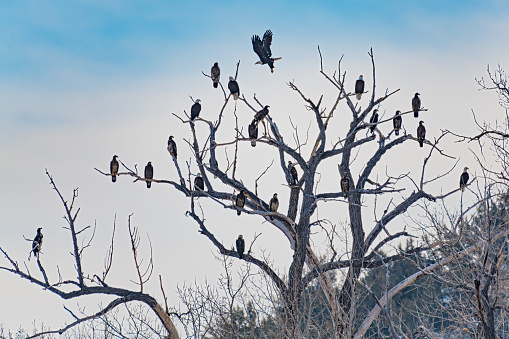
(83, 80)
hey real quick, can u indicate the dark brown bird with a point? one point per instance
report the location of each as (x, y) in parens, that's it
(464, 179)
(233, 86)
(421, 133)
(149, 173)
(293, 174)
(215, 73)
(416, 105)
(345, 183)
(261, 114)
(373, 120)
(273, 204)
(396, 122)
(253, 132)
(172, 146)
(114, 168)
(240, 246)
(37, 243)
(199, 184)
(262, 49)
(240, 201)
(195, 109)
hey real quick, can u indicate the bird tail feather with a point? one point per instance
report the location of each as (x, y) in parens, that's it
(253, 143)
(358, 96)
(215, 84)
(416, 114)
(149, 183)
(421, 143)
(238, 212)
(235, 96)
(396, 131)
(113, 178)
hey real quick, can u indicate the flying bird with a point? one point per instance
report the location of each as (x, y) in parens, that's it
(172, 146)
(416, 104)
(373, 120)
(114, 168)
(240, 246)
(345, 183)
(240, 200)
(396, 122)
(253, 132)
(421, 133)
(262, 49)
(37, 243)
(359, 87)
(464, 179)
(149, 173)
(215, 73)
(199, 184)
(273, 204)
(261, 114)
(293, 174)
(233, 86)
(195, 109)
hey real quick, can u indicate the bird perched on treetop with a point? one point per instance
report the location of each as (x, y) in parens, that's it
(240, 246)
(233, 86)
(172, 146)
(261, 114)
(293, 174)
(373, 120)
(253, 132)
(195, 109)
(273, 204)
(199, 184)
(149, 173)
(114, 168)
(416, 104)
(396, 122)
(464, 179)
(37, 243)
(262, 49)
(345, 183)
(421, 133)
(359, 87)
(215, 73)
(240, 200)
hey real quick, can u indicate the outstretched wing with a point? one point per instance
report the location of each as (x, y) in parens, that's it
(258, 46)
(267, 41)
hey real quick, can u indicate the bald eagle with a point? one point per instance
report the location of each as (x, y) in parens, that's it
(233, 86)
(37, 243)
(114, 168)
(199, 184)
(359, 87)
(195, 109)
(240, 200)
(293, 174)
(172, 146)
(240, 246)
(261, 114)
(215, 73)
(421, 133)
(373, 120)
(149, 173)
(416, 104)
(345, 183)
(464, 179)
(273, 204)
(396, 122)
(262, 49)
(253, 132)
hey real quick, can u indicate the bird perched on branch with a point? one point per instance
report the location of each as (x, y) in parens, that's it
(253, 132)
(421, 133)
(199, 184)
(262, 49)
(172, 146)
(261, 114)
(416, 104)
(149, 173)
(373, 120)
(293, 174)
(114, 168)
(359, 87)
(464, 179)
(240, 246)
(240, 200)
(233, 86)
(37, 243)
(345, 182)
(215, 73)
(396, 122)
(195, 109)
(273, 204)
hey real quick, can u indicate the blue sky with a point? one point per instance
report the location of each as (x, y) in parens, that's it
(81, 81)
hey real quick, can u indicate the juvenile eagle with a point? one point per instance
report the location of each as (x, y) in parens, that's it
(253, 132)
(293, 174)
(373, 120)
(199, 184)
(273, 204)
(215, 73)
(396, 122)
(240, 246)
(240, 200)
(37, 243)
(233, 86)
(359, 87)
(261, 114)
(464, 179)
(421, 133)
(416, 104)
(345, 183)
(114, 168)
(195, 109)
(262, 49)
(149, 173)
(172, 146)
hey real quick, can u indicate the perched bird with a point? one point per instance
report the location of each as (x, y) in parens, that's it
(421, 133)
(114, 168)
(240, 200)
(359, 87)
(396, 122)
(273, 204)
(199, 184)
(464, 179)
(293, 174)
(373, 120)
(261, 114)
(172, 146)
(149, 173)
(240, 246)
(253, 132)
(262, 49)
(233, 86)
(345, 183)
(416, 104)
(37, 243)
(195, 109)
(215, 73)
